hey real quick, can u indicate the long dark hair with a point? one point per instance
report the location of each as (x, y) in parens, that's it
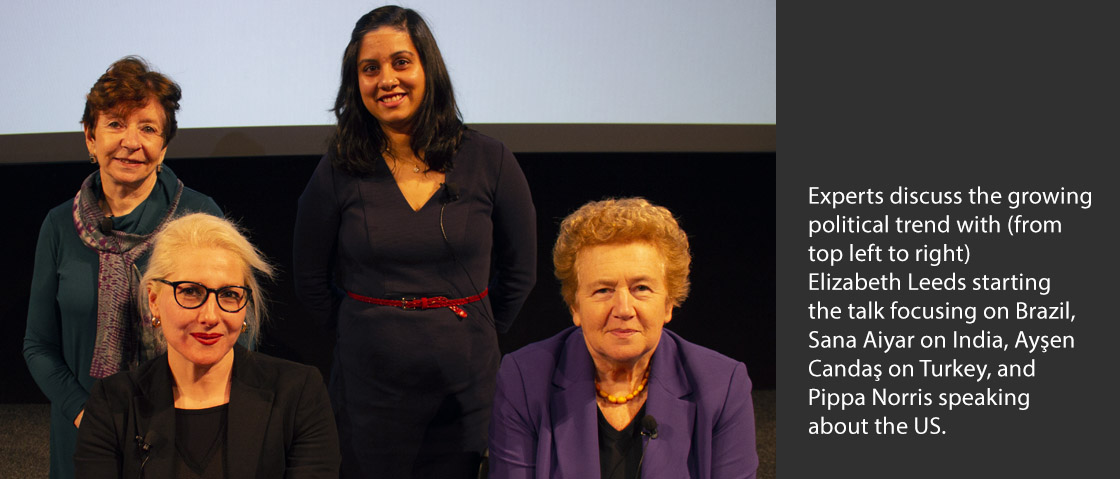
(437, 124)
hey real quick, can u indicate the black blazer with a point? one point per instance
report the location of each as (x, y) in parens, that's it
(280, 422)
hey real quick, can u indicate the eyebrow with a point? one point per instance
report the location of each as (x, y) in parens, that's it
(394, 54)
(601, 282)
(207, 286)
(642, 279)
(140, 120)
(610, 282)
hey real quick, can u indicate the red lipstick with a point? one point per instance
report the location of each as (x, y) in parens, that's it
(207, 338)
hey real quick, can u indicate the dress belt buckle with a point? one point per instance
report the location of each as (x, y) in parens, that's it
(411, 302)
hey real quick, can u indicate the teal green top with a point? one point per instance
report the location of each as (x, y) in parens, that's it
(62, 313)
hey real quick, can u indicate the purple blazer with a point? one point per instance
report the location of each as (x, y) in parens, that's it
(545, 424)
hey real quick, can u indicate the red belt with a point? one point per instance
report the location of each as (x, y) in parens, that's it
(424, 303)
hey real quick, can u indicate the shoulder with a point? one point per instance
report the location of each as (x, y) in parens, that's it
(121, 388)
(294, 387)
(482, 160)
(328, 174)
(544, 354)
(274, 365)
(57, 229)
(192, 196)
(192, 201)
(264, 371)
(65, 208)
(63, 214)
(326, 166)
(475, 145)
(58, 221)
(704, 367)
(526, 377)
(474, 139)
(535, 364)
(120, 385)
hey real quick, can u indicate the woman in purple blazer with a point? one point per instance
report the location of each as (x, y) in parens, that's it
(619, 387)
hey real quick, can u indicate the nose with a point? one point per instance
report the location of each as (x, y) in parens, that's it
(131, 140)
(389, 81)
(623, 305)
(208, 313)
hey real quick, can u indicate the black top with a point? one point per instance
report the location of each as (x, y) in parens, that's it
(620, 451)
(279, 423)
(200, 440)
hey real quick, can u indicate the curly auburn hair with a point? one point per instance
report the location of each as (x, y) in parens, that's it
(620, 221)
(127, 85)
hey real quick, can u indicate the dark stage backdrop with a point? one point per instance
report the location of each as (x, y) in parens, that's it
(725, 201)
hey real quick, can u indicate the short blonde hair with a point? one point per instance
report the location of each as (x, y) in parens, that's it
(200, 230)
(621, 221)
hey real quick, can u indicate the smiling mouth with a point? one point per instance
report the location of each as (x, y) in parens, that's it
(130, 162)
(391, 98)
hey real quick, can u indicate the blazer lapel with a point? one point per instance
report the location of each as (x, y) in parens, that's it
(155, 420)
(249, 408)
(667, 456)
(573, 409)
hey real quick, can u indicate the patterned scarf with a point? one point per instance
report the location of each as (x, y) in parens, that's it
(117, 278)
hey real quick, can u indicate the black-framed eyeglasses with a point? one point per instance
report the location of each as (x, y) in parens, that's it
(192, 295)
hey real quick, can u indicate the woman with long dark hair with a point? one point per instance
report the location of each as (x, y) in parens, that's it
(416, 239)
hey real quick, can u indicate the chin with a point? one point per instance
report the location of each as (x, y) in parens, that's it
(208, 358)
(624, 357)
(204, 360)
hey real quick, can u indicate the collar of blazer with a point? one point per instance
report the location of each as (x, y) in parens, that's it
(249, 405)
(572, 405)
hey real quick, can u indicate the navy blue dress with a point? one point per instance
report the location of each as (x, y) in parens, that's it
(410, 387)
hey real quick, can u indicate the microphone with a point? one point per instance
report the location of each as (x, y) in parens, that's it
(450, 193)
(106, 225)
(649, 427)
(143, 445)
(145, 449)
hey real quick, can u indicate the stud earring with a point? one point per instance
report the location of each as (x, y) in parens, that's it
(155, 322)
(244, 326)
(92, 159)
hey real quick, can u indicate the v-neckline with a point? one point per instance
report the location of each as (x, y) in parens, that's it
(403, 197)
(400, 191)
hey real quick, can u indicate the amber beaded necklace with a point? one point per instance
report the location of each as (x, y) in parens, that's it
(623, 399)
